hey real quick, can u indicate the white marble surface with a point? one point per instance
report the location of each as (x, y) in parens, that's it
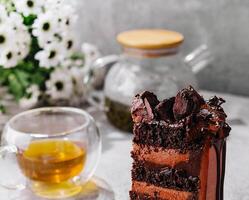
(115, 163)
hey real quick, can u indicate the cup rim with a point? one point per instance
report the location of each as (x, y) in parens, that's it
(82, 112)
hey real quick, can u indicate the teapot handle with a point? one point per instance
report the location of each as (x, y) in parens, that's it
(200, 58)
(96, 98)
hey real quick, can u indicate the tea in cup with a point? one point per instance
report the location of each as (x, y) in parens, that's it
(56, 149)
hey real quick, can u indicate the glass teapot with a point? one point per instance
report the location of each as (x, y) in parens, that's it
(150, 61)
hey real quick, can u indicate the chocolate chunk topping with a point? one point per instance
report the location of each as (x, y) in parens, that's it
(187, 101)
(216, 101)
(165, 109)
(151, 98)
(143, 107)
(188, 115)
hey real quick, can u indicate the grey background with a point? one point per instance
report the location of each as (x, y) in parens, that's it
(222, 24)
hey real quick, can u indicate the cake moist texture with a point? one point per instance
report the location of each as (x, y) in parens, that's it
(179, 147)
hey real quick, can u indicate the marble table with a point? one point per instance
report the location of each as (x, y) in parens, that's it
(115, 163)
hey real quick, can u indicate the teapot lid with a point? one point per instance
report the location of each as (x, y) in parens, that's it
(150, 39)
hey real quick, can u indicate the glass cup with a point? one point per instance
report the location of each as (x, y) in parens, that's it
(55, 150)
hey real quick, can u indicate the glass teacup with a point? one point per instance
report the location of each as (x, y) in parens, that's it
(56, 149)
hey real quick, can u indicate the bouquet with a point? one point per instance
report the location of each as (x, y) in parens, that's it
(40, 62)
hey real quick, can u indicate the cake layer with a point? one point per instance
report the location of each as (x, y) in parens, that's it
(151, 192)
(138, 196)
(188, 161)
(170, 136)
(164, 177)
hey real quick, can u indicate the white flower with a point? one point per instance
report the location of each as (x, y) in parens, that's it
(22, 39)
(32, 100)
(90, 52)
(28, 7)
(60, 86)
(14, 40)
(67, 17)
(45, 27)
(60, 6)
(23, 43)
(9, 58)
(16, 21)
(6, 37)
(77, 76)
(69, 63)
(51, 56)
(3, 14)
(51, 4)
(68, 42)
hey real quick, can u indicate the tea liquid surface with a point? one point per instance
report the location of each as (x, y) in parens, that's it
(52, 161)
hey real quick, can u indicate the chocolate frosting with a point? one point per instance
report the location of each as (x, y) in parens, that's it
(187, 109)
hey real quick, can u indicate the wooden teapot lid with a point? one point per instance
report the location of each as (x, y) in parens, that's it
(150, 39)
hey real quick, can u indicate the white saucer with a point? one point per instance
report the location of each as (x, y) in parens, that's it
(101, 191)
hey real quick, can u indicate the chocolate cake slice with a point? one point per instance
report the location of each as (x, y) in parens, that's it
(179, 147)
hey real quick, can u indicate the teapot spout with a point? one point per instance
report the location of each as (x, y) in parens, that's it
(199, 58)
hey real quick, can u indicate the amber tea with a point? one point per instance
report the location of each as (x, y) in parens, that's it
(52, 161)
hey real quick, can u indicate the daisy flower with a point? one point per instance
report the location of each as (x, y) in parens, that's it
(66, 17)
(3, 14)
(22, 40)
(14, 41)
(28, 7)
(90, 52)
(9, 58)
(8, 47)
(45, 27)
(79, 89)
(51, 4)
(65, 13)
(16, 20)
(34, 95)
(77, 75)
(68, 42)
(6, 37)
(57, 5)
(23, 44)
(51, 56)
(60, 85)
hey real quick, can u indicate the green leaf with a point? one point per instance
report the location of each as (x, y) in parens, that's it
(38, 78)
(77, 56)
(15, 87)
(4, 73)
(29, 20)
(26, 66)
(34, 48)
(23, 78)
(2, 109)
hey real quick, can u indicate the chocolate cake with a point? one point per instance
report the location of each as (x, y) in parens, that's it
(179, 147)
